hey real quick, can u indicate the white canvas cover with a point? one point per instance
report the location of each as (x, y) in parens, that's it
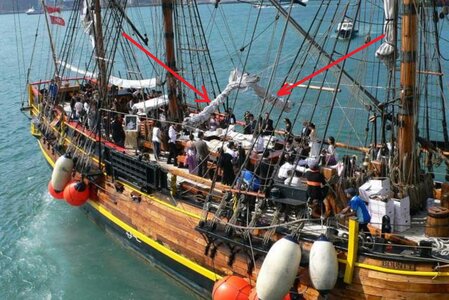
(120, 82)
(386, 51)
(236, 81)
(147, 105)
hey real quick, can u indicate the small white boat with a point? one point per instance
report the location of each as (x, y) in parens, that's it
(32, 11)
(345, 29)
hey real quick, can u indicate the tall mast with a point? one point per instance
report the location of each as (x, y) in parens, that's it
(175, 111)
(99, 51)
(409, 93)
(53, 52)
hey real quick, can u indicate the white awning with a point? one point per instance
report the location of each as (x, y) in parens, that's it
(120, 82)
(147, 105)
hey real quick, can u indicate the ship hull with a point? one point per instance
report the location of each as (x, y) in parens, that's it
(191, 279)
(169, 234)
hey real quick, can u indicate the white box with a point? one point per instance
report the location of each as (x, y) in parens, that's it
(401, 223)
(376, 221)
(381, 207)
(402, 206)
(380, 183)
(373, 188)
(378, 209)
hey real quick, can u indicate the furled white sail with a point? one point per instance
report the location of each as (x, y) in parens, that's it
(87, 22)
(386, 51)
(236, 81)
(278, 102)
(122, 83)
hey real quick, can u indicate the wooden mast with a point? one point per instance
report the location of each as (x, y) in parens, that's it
(409, 94)
(175, 112)
(99, 51)
(53, 51)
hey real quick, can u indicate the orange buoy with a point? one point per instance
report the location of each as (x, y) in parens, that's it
(253, 296)
(231, 288)
(53, 193)
(76, 193)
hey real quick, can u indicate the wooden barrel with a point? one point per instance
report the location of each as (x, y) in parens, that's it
(437, 222)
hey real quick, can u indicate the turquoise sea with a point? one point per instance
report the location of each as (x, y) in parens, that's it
(49, 250)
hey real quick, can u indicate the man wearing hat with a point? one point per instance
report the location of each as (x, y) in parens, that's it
(358, 208)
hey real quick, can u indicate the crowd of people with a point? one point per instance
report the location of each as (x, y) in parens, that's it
(298, 163)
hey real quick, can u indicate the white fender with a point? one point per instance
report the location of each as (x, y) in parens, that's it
(279, 269)
(323, 265)
(62, 172)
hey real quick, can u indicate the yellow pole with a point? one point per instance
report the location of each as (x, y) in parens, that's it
(352, 249)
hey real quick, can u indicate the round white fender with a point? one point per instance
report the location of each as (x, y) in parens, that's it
(323, 265)
(62, 172)
(279, 269)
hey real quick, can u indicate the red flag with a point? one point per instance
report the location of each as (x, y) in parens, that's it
(52, 9)
(57, 20)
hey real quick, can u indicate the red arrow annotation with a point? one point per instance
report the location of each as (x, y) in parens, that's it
(204, 97)
(286, 89)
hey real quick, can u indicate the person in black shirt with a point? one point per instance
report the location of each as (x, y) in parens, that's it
(288, 128)
(265, 169)
(315, 182)
(118, 134)
(267, 125)
(225, 163)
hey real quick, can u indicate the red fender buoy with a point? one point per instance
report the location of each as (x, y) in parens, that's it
(76, 193)
(231, 288)
(53, 193)
(253, 296)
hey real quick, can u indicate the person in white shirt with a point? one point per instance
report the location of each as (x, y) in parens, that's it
(78, 109)
(286, 167)
(231, 150)
(293, 179)
(259, 146)
(156, 139)
(172, 136)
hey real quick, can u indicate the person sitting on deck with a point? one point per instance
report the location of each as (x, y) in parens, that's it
(213, 122)
(315, 183)
(229, 119)
(250, 124)
(231, 150)
(358, 208)
(287, 166)
(293, 178)
(259, 144)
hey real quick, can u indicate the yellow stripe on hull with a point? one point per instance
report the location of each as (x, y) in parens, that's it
(155, 245)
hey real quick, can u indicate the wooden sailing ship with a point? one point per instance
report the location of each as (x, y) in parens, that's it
(200, 230)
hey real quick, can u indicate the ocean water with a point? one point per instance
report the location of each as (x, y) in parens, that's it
(49, 250)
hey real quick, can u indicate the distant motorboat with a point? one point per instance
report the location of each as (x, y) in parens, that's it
(345, 29)
(267, 3)
(32, 11)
